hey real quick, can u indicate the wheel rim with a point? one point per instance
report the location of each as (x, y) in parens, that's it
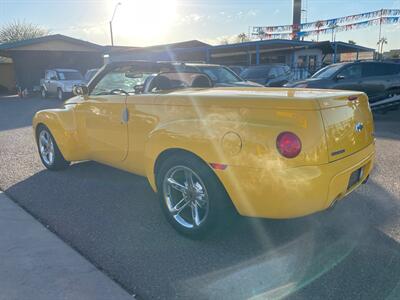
(46, 147)
(186, 196)
(43, 93)
(60, 96)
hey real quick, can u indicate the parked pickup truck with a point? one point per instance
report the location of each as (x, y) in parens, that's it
(208, 151)
(60, 82)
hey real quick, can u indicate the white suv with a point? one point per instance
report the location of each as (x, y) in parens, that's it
(60, 82)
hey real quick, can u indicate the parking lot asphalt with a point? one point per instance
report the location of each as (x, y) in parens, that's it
(113, 219)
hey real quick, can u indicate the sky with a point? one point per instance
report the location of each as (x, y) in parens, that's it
(152, 22)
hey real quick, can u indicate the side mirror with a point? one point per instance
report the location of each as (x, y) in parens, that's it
(80, 90)
(340, 77)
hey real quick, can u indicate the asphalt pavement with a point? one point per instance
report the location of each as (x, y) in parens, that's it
(35, 264)
(113, 219)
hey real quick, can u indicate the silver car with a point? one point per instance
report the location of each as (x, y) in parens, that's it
(60, 82)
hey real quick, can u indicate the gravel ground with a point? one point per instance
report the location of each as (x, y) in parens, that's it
(113, 219)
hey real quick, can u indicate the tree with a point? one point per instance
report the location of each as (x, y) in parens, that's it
(319, 24)
(351, 42)
(261, 34)
(20, 30)
(380, 44)
(242, 38)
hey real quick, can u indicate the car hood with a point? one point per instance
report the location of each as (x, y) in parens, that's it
(239, 84)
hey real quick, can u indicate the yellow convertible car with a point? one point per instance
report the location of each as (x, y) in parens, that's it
(211, 152)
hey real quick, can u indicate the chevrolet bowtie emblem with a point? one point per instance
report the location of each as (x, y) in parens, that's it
(359, 127)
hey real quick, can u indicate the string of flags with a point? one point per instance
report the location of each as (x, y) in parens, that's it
(383, 16)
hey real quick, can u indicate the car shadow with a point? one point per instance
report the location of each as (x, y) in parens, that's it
(113, 218)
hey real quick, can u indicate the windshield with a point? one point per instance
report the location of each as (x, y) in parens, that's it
(119, 81)
(327, 72)
(69, 75)
(220, 74)
(90, 74)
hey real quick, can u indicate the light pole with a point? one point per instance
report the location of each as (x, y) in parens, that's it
(112, 18)
(333, 27)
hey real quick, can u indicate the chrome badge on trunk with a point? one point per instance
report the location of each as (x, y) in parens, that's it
(359, 127)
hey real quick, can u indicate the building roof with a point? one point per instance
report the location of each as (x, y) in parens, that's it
(116, 49)
(341, 47)
(281, 44)
(181, 45)
(50, 38)
(266, 43)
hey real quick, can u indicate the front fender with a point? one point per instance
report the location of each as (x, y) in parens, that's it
(62, 124)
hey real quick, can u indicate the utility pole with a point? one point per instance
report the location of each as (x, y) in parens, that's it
(296, 18)
(333, 27)
(112, 18)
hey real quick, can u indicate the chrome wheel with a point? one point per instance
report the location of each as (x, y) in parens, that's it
(46, 147)
(185, 196)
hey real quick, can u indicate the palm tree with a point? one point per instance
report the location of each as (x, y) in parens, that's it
(380, 44)
(319, 24)
(333, 28)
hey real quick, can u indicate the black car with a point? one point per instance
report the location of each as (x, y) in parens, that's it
(221, 76)
(273, 75)
(237, 69)
(378, 80)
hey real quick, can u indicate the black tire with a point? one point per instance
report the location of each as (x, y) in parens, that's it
(60, 95)
(58, 162)
(43, 93)
(221, 211)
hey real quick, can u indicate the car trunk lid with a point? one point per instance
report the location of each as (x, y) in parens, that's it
(348, 124)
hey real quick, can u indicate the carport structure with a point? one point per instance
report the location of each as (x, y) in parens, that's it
(32, 57)
(281, 51)
(303, 55)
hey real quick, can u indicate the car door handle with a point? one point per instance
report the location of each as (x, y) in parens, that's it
(125, 116)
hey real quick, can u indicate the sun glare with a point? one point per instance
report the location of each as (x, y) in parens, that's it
(144, 21)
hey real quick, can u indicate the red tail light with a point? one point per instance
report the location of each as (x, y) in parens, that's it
(288, 144)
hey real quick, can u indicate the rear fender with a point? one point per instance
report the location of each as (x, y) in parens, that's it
(193, 136)
(240, 143)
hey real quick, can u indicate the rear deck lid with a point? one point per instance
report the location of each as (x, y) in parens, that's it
(348, 124)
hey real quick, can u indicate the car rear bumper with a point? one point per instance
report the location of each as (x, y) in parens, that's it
(293, 192)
